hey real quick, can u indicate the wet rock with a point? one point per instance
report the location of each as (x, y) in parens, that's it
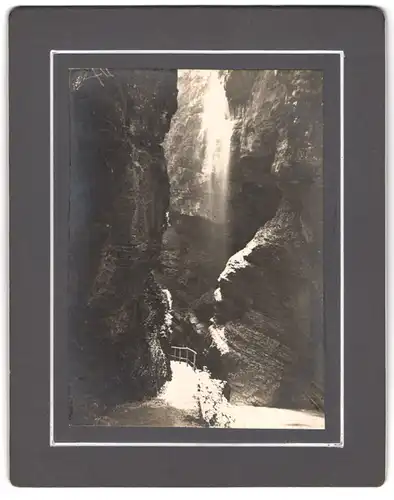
(119, 338)
(268, 307)
(189, 267)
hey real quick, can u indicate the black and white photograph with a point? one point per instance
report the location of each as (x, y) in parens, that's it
(197, 259)
(195, 251)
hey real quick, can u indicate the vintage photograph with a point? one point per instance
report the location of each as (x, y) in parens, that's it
(195, 250)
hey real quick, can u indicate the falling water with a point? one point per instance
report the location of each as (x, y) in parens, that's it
(216, 131)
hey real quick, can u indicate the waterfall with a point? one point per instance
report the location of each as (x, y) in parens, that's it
(215, 134)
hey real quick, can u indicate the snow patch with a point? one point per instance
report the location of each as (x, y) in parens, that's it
(212, 405)
(217, 294)
(196, 323)
(219, 338)
(234, 263)
(180, 391)
(168, 314)
(168, 223)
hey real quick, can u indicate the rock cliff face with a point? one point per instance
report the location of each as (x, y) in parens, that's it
(184, 148)
(189, 268)
(257, 320)
(191, 260)
(268, 327)
(119, 316)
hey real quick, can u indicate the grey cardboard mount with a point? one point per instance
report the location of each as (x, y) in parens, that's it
(348, 44)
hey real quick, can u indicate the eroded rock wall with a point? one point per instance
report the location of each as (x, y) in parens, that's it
(119, 196)
(268, 327)
(194, 252)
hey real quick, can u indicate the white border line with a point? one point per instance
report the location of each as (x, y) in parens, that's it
(206, 445)
(342, 228)
(339, 52)
(52, 441)
(51, 299)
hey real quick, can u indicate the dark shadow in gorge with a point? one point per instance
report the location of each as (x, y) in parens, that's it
(190, 264)
(119, 193)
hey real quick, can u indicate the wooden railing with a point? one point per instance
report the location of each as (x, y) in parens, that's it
(184, 354)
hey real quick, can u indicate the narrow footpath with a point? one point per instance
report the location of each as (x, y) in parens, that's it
(176, 406)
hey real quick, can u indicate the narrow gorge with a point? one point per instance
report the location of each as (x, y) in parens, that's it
(196, 219)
